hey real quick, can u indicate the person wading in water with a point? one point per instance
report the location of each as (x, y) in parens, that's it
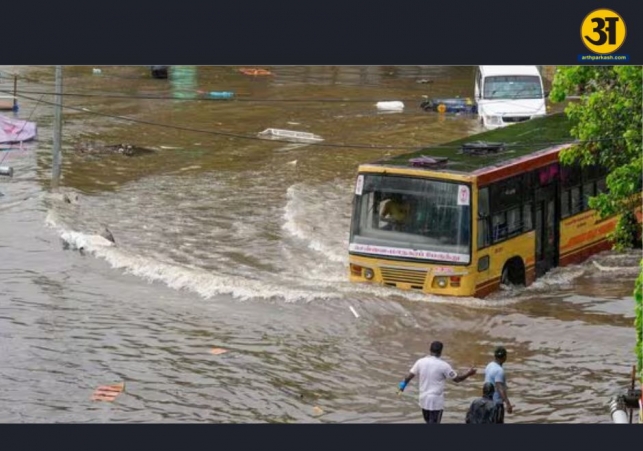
(495, 374)
(483, 410)
(433, 372)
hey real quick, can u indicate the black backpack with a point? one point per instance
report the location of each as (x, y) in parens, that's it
(482, 411)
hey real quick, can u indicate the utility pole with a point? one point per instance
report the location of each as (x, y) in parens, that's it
(58, 125)
(15, 93)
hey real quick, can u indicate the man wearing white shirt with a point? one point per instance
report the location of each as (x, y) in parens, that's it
(433, 373)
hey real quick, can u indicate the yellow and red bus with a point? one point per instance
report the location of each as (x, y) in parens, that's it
(461, 218)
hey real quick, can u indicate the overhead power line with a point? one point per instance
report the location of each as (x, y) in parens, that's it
(204, 96)
(318, 144)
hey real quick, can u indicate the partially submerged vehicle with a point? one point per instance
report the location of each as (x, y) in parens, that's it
(509, 94)
(455, 105)
(460, 219)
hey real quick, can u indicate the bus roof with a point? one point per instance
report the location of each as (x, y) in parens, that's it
(520, 140)
(509, 70)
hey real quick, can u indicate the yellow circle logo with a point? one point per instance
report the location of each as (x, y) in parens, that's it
(603, 31)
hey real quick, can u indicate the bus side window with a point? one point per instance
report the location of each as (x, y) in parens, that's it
(589, 191)
(514, 225)
(483, 203)
(570, 175)
(499, 226)
(483, 233)
(601, 186)
(576, 202)
(527, 225)
(565, 208)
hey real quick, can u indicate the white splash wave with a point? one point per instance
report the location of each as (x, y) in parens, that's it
(317, 220)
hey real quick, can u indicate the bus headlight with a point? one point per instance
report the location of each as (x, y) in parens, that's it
(441, 281)
(368, 273)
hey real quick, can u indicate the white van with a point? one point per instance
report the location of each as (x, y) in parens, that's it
(509, 94)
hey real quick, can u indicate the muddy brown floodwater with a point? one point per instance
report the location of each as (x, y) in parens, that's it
(228, 243)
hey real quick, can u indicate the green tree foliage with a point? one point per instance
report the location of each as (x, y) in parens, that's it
(608, 122)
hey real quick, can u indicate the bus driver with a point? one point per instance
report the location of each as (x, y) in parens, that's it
(396, 212)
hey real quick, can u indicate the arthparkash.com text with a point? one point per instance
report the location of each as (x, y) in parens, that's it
(592, 58)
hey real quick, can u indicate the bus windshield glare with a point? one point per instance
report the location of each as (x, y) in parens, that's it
(512, 87)
(412, 218)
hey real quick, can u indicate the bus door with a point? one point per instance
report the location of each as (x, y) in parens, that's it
(547, 227)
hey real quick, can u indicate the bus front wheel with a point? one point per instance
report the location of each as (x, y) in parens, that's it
(513, 273)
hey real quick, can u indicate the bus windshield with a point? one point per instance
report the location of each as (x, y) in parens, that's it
(512, 87)
(412, 218)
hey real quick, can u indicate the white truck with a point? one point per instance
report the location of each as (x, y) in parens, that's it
(509, 94)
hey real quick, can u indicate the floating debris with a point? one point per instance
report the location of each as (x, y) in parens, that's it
(108, 393)
(289, 135)
(354, 312)
(72, 241)
(218, 351)
(190, 168)
(292, 163)
(317, 411)
(128, 150)
(254, 71)
(390, 106)
(159, 71)
(221, 95)
(8, 103)
(16, 130)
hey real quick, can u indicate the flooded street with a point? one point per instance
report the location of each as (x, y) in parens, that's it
(225, 241)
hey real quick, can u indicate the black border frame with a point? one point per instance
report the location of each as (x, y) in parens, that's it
(316, 437)
(235, 33)
(303, 33)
